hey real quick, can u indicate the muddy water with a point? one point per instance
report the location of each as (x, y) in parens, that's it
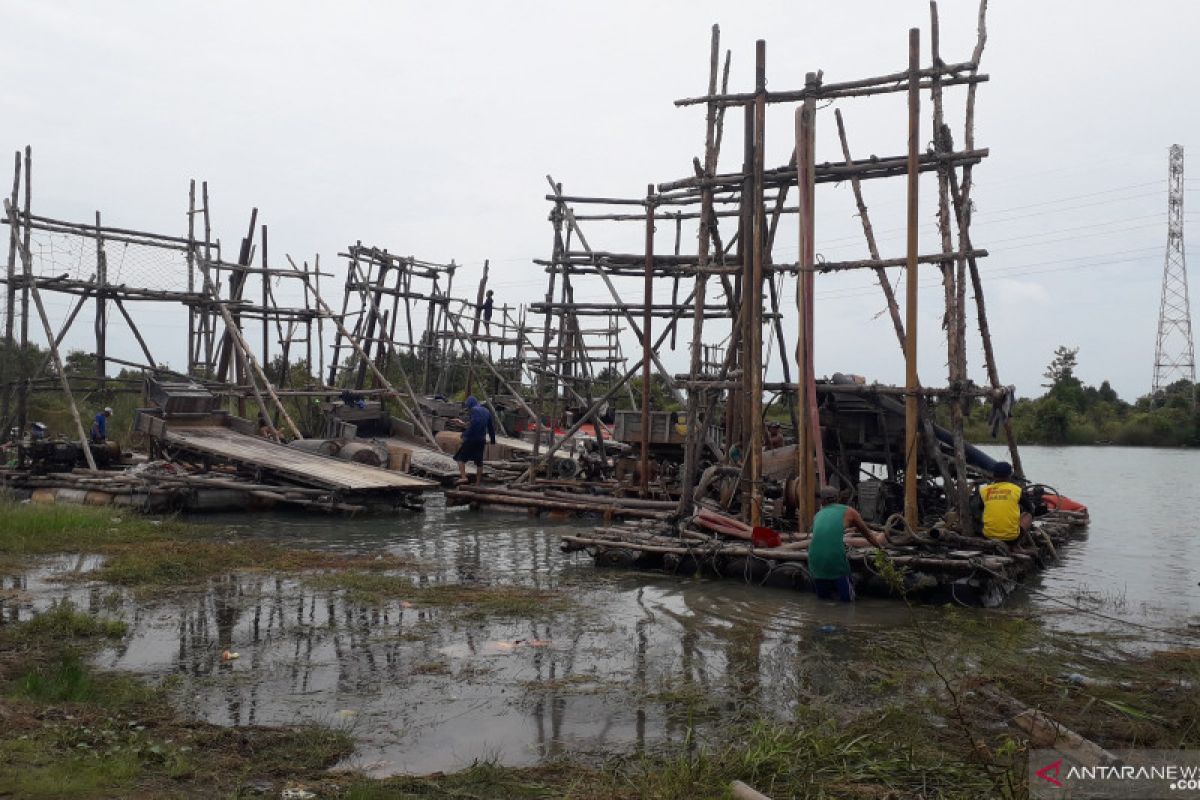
(1141, 560)
(625, 668)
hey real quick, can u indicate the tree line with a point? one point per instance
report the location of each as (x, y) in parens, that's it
(1072, 412)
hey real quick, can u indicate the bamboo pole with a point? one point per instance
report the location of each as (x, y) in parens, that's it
(26, 260)
(911, 407)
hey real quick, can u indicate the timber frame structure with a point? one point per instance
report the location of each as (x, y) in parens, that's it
(732, 274)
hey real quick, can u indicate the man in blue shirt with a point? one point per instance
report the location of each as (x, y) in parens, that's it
(100, 426)
(474, 439)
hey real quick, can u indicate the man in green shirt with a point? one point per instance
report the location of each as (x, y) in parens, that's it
(827, 563)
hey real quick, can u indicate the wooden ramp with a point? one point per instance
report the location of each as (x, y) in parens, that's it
(309, 469)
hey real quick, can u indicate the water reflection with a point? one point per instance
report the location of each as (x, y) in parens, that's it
(426, 689)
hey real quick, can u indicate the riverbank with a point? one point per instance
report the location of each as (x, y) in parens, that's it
(902, 709)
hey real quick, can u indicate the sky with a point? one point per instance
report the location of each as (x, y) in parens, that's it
(429, 129)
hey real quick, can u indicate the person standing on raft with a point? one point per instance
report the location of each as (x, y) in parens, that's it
(100, 426)
(474, 439)
(827, 563)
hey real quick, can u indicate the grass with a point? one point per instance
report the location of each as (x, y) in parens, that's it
(32, 529)
(63, 621)
(71, 731)
(363, 587)
(154, 553)
(505, 600)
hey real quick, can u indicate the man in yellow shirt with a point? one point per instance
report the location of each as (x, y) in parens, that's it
(1007, 510)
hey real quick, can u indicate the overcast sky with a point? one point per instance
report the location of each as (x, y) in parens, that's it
(429, 129)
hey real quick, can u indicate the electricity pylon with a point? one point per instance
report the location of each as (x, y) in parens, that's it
(1174, 355)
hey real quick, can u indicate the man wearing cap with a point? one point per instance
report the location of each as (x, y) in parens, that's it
(827, 563)
(100, 426)
(1007, 511)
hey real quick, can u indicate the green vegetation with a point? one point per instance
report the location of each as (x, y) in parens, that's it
(63, 621)
(73, 732)
(1071, 412)
(33, 529)
(151, 553)
(481, 600)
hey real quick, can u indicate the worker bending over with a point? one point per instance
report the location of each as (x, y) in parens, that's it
(100, 426)
(827, 563)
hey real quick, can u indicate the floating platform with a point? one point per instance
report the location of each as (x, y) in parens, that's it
(934, 566)
(218, 440)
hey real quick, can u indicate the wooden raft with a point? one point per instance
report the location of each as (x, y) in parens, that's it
(310, 469)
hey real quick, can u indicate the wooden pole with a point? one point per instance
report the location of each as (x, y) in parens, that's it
(559, 252)
(249, 365)
(959, 493)
(911, 401)
(806, 431)
(84, 443)
(695, 440)
(316, 289)
(101, 325)
(475, 325)
(869, 233)
(207, 322)
(753, 290)
(14, 234)
(27, 275)
(648, 299)
(10, 305)
(191, 277)
(266, 289)
(373, 309)
(136, 333)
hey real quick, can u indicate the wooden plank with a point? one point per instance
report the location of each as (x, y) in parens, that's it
(307, 468)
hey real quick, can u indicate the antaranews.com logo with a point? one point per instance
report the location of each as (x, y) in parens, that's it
(1114, 775)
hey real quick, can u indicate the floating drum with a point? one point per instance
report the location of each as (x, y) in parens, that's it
(360, 453)
(616, 557)
(787, 575)
(746, 568)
